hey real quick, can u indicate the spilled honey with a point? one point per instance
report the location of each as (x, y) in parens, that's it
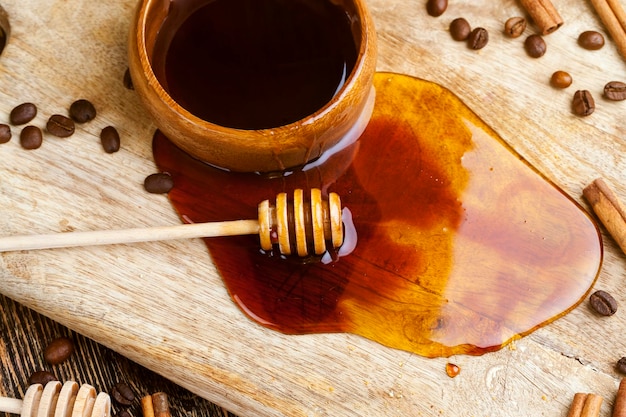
(461, 245)
(452, 370)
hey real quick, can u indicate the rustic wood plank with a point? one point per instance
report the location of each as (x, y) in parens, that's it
(24, 335)
(163, 305)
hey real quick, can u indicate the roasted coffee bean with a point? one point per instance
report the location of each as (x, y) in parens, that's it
(515, 26)
(561, 79)
(110, 139)
(122, 394)
(583, 103)
(128, 81)
(23, 114)
(460, 29)
(591, 40)
(478, 38)
(5, 133)
(535, 46)
(159, 183)
(60, 126)
(436, 7)
(82, 111)
(122, 413)
(603, 303)
(41, 377)
(31, 137)
(59, 350)
(615, 90)
(621, 365)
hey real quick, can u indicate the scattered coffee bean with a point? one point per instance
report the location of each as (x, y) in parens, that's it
(561, 79)
(60, 126)
(436, 7)
(128, 81)
(82, 111)
(620, 366)
(23, 114)
(41, 377)
(515, 26)
(603, 303)
(159, 183)
(615, 90)
(5, 133)
(460, 29)
(31, 137)
(110, 139)
(591, 40)
(583, 103)
(478, 38)
(122, 394)
(535, 46)
(59, 350)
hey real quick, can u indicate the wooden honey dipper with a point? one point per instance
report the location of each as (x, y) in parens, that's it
(298, 226)
(59, 400)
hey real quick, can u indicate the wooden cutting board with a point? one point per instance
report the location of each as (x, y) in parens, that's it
(163, 304)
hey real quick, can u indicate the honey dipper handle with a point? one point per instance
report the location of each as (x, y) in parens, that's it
(149, 234)
(10, 405)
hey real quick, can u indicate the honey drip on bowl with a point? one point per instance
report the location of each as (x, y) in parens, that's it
(462, 245)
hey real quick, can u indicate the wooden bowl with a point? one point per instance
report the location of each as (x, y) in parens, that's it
(264, 150)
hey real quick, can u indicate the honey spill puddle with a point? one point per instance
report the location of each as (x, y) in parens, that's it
(462, 246)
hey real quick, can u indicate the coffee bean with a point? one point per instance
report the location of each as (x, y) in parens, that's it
(535, 46)
(23, 114)
(123, 413)
(159, 183)
(561, 79)
(460, 29)
(603, 303)
(41, 377)
(82, 111)
(59, 350)
(122, 394)
(31, 137)
(591, 40)
(515, 26)
(128, 81)
(5, 133)
(436, 7)
(110, 139)
(615, 90)
(620, 366)
(478, 38)
(583, 103)
(60, 126)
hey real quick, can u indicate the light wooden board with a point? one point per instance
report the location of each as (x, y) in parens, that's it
(164, 306)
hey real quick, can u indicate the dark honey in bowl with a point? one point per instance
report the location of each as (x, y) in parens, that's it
(461, 245)
(254, 64)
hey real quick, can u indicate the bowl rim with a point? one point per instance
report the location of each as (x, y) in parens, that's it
(334, 104)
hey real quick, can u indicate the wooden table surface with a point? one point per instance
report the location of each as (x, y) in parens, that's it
(164, 307)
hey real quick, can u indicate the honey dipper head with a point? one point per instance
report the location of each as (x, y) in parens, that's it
(302, 225)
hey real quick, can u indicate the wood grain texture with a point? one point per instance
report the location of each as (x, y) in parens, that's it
(163, 306)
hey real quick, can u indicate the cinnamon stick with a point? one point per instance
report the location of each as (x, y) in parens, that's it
(619, 408)
(146, 406)
(155, 405)
(614, 19)
(161, 405)
(592, 406)
(577, 405)
(544, 14)
(609, 210)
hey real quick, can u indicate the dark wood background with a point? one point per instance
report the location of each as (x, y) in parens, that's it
(24, 335)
